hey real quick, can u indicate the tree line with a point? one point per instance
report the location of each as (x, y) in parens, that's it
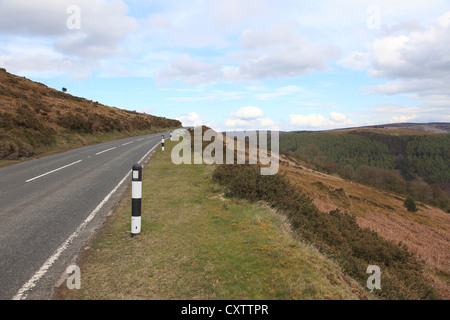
(416, 165)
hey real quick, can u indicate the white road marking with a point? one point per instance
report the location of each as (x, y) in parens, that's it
(127, 143)
(22, 293)
(143, 158)
(50, 172)
(105, 151)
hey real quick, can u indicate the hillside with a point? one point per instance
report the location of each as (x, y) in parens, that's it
(36, 119)
(400, 160)
(425, 233)
(228, 232)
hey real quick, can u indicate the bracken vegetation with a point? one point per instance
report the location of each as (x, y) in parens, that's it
(335, 233)
(35, 118)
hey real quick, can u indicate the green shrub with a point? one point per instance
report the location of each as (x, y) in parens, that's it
(410, 204)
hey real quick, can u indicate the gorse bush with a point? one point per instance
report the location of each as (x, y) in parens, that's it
(245, 181)
(336, 234)
(410, 204)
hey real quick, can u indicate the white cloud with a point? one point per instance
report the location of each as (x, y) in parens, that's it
(191, 71)
(218, 95)
(253, 124)
(355, 61)
(444, 20)
(190, 120)
(44, 63)
(230, 13)
(312, 120)
(401, 119)
(438, 111)
(280, 92)
(417, 55)
(103, 24)
(335, 119)
(418, 61)
(280, 52)
(338, 117)
(250, 118)
(158, 21)
(422, 87)
(188, 99)
(248, 113)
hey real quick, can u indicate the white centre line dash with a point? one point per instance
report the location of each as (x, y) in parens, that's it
(43, 175)
(105, 151)
(127, 143)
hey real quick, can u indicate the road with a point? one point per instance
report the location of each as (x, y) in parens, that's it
(50, 206)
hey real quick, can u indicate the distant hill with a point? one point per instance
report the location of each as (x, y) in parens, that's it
(435, 127)
(35, 119)
(405, 128)
(394, 158)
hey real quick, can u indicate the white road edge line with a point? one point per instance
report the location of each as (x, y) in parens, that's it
(105, 151)
(143, 158)
(21, 294)
(43, 175)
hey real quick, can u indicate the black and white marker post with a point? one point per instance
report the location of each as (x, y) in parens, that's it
(162, 142)
(136, 195)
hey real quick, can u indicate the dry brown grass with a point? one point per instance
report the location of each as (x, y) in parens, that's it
(425, 233)
(36, 119)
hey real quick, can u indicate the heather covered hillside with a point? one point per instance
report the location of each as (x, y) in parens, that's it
(36, 119)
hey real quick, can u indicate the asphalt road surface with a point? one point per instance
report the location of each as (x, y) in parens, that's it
(50, 206)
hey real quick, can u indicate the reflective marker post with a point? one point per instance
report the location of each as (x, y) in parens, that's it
(136, 195)
(162, 143)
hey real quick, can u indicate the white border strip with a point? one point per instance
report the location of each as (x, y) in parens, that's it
(22, 293)
(144, 157)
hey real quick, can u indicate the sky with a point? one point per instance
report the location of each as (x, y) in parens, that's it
(240, 64)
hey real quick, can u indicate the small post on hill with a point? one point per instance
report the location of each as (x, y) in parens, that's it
(136, 195)
(162, 142)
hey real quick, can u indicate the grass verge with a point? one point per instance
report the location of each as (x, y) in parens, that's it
(195, 244)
